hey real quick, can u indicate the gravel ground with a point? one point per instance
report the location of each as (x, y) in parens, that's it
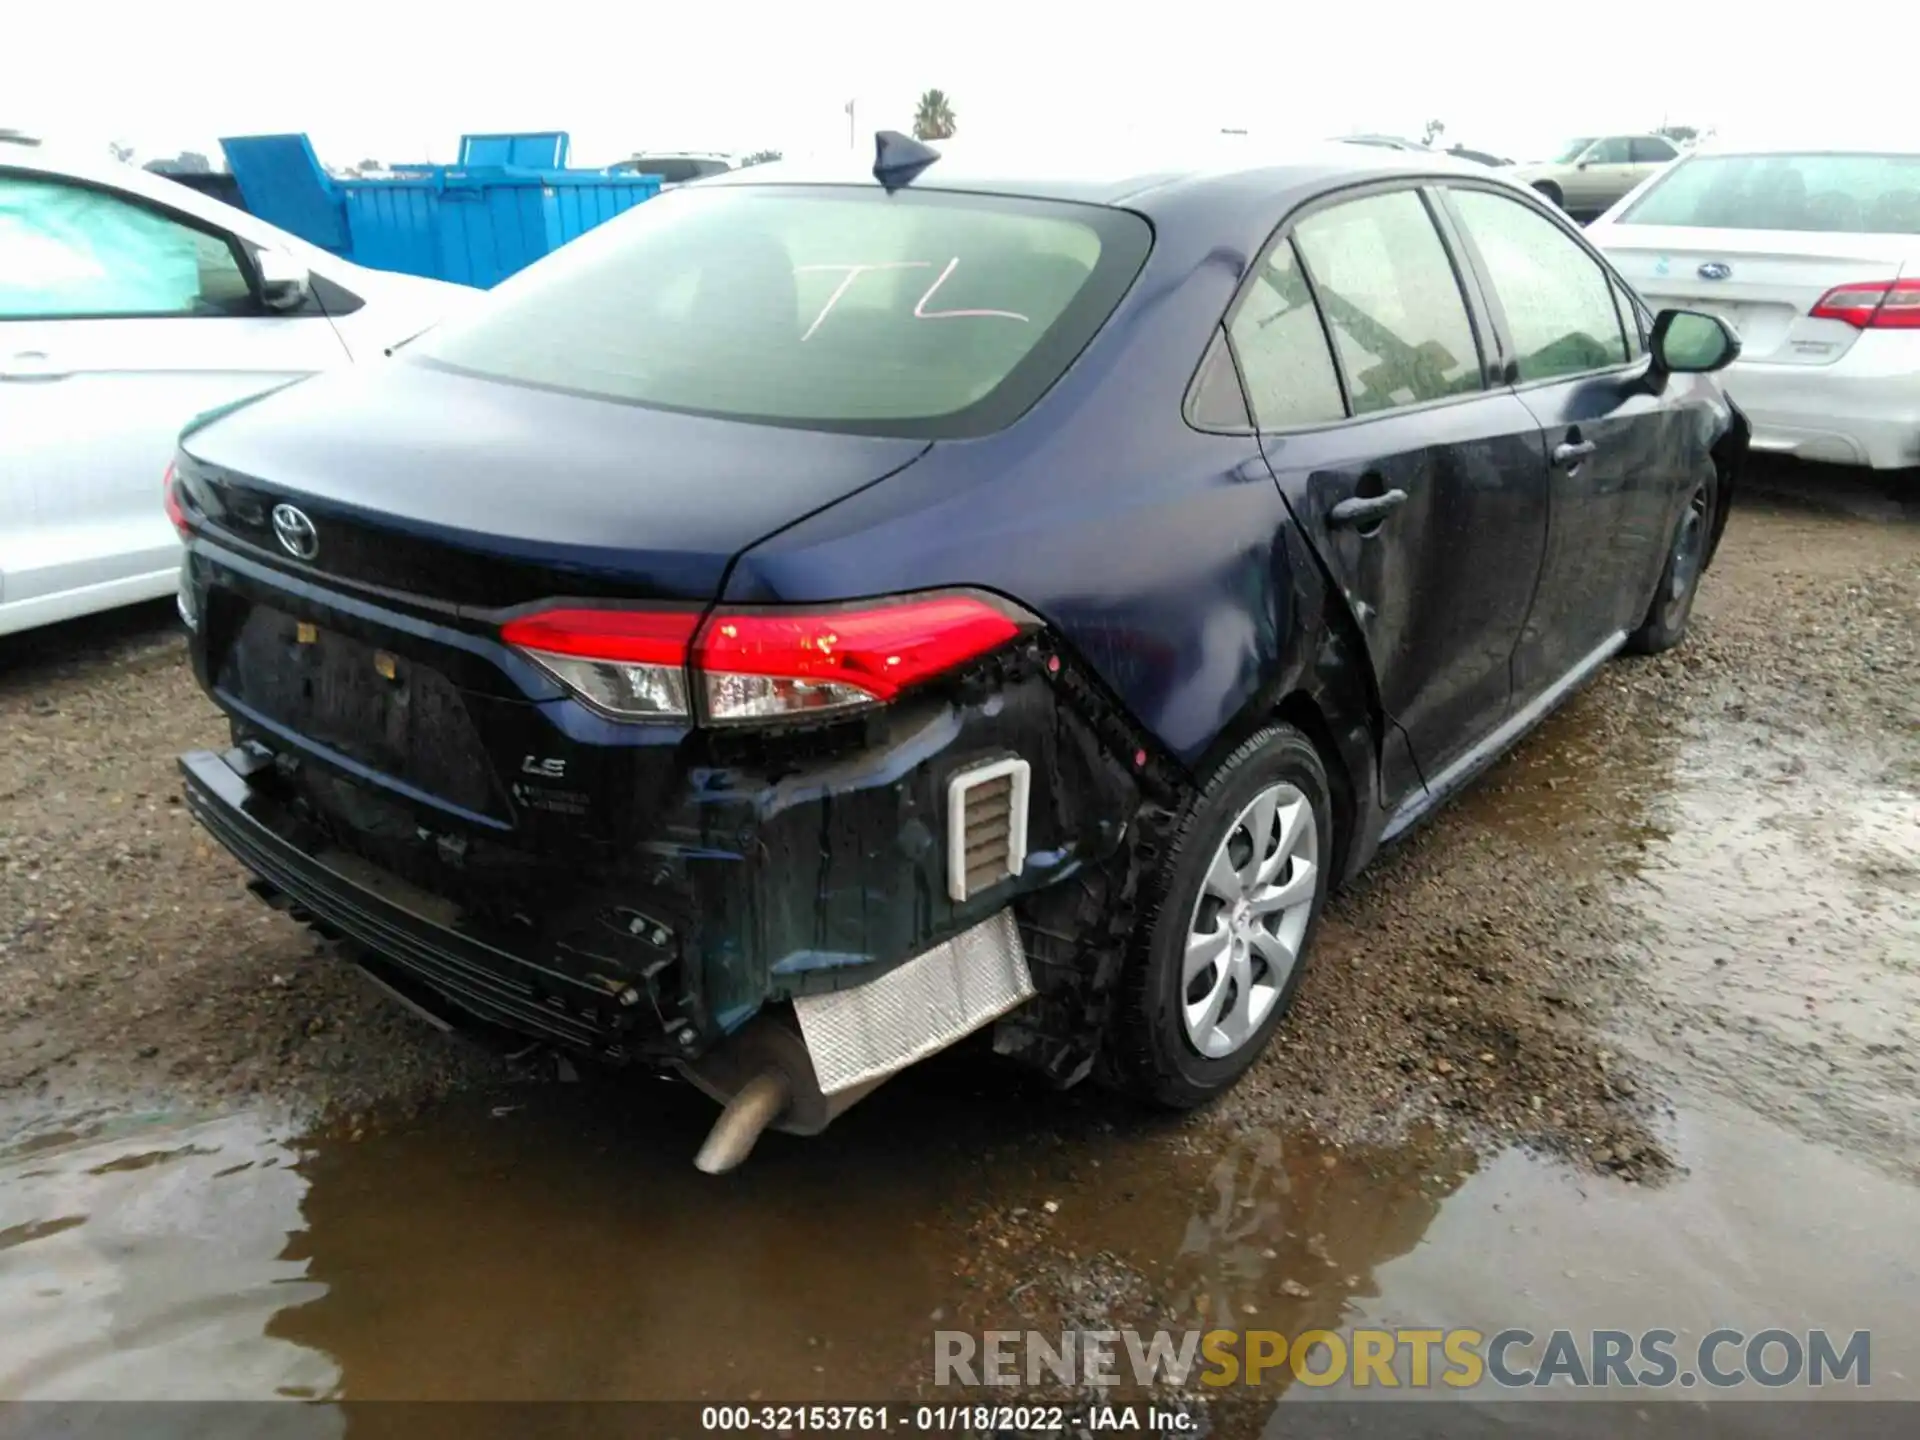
(1475, 978)
(1469, 983)
(136, 971)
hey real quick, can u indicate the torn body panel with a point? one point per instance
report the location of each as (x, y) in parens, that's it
(637, 900)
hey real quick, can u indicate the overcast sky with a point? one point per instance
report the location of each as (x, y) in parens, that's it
(398, 80)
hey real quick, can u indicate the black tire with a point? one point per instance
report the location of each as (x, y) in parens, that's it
(1552, 192)
(1665, 625)
(1153, 1058)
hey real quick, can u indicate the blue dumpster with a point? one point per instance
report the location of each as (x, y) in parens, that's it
(475, 223)
(537, 150)
(282, 182)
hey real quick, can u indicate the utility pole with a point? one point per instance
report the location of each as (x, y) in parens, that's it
(852, 134)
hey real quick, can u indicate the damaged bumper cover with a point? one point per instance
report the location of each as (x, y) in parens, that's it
(824, 880)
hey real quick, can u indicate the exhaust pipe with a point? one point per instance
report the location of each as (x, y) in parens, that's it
(765, 1080)
(798, 1068)
(753, 1108)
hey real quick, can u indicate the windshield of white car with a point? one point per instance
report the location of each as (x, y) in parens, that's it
(1572, 150)
(672, 169)
(1860, 194)
(921, 314)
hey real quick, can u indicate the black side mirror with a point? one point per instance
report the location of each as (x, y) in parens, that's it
(1687, 342)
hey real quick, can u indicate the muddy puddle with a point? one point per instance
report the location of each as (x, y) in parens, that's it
(1767, 878)
(1760, 885)
(565, 1250)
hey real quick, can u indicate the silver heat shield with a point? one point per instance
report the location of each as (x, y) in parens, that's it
(924, 1005)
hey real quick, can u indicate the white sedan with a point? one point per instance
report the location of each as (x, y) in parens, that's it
(128, 305)
(1813, 256)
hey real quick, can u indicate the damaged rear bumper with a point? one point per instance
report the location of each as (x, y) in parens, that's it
(486, 976)
(796, 1077)
(840, 892)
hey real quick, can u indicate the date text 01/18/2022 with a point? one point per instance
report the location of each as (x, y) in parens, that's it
(941, 1419)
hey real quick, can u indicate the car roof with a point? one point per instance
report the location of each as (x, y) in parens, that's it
(1137, 177)
(65, 163)
(70, 164)
(1760, 145)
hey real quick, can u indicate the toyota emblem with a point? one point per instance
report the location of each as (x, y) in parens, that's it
(295, 532)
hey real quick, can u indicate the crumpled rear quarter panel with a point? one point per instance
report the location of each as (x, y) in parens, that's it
(813, 875)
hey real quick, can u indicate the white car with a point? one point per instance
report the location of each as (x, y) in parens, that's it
(1813, 256)
(128, 305)
(677, 167)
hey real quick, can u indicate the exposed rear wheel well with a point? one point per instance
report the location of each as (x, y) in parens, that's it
(1550, 190)
(1300, 711)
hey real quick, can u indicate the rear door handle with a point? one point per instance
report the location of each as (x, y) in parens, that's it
(31, 365)
(1366, 509)
(1570, 454)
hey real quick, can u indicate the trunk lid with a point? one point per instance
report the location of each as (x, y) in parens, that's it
(436, 501)
(1762, 282)
(480, 494)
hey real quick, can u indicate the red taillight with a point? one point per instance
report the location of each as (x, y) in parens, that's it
(171, 499)
(632, 664)
(765, 664)
(761, 664)
(643, 637)
(1873, 305)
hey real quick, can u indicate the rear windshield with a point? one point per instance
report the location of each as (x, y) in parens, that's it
(1845, 194)
(918, 314)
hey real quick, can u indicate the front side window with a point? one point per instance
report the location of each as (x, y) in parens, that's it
(1631, 321)
(1558, 301)
(1282, 348)
(1831, 193)
(74, 252)
(1392, 301)
(917, 314)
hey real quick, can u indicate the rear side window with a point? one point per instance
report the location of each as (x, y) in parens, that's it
(1391, 300)
(918, 314)
(1282, 348)
(1649, 150)
(1614, 150)
(75, 252)
(1832, 193)
(1558, 301)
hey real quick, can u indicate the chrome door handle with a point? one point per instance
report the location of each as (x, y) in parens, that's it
(1572, 453)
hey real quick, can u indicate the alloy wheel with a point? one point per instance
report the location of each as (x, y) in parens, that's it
(1244, 938)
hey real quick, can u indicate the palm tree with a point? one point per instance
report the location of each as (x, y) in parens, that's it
(934, 120)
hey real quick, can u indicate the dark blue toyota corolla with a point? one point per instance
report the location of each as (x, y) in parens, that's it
(821, 614)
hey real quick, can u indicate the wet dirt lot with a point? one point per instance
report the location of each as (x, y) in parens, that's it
(1625, 1038)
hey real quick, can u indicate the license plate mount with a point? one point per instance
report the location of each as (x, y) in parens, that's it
(386, 711)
